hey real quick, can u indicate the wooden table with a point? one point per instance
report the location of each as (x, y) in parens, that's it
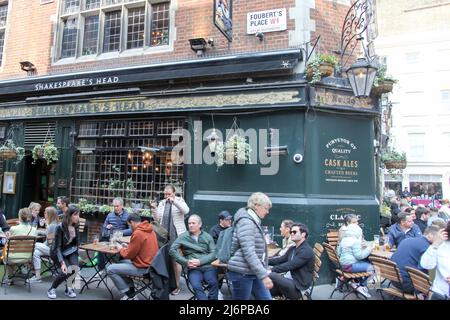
(382, 254)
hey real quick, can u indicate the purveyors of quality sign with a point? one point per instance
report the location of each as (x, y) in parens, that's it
(266, 21)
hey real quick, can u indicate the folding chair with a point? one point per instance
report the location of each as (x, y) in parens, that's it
(19, 252)
(318, 250)
(47, 262)
(348, 276)
(421, 283)
(388, 269)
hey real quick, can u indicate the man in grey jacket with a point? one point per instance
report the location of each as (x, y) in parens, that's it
(248, 263)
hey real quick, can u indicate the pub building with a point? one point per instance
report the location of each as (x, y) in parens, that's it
(117, 128)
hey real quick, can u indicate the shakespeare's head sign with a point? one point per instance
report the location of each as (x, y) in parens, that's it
(223, 17)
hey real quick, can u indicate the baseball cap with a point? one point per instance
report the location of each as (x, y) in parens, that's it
(225, 215)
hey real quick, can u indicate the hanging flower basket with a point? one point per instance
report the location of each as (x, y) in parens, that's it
(46, 151)
(235, 149)
(8, 154)
(385, 86)
(326, 69)
(395, 164)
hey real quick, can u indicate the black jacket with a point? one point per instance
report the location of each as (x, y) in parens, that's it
(300, 261)
(215, 232)
(3, 224)
(60, 243)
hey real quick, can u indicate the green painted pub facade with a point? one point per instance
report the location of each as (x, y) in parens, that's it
(100, 122)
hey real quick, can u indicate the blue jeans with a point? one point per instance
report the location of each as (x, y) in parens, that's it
(244, 285)
(363, 266)
(209, 275)
(120, 274)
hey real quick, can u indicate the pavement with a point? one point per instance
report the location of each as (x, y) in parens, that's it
(19, 291)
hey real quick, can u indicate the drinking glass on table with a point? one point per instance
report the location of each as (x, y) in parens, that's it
(376, 240)
(95, 239)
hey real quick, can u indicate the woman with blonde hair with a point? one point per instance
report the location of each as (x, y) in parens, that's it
(43, 249)
(24, 228)
(34, 208)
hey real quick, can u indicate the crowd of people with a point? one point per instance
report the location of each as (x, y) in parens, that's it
(419, 234)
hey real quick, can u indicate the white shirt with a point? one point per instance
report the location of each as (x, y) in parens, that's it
(440, 259)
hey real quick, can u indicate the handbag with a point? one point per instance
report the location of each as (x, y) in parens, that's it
(162, 234)
(69, 251)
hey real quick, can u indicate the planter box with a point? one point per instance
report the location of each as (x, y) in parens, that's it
(398, 164)
(384, 87)
(326, 70)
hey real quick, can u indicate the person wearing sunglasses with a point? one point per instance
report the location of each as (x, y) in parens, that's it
(292, 273)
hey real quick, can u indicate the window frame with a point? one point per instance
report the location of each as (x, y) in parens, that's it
(101, 11)
(3, 30)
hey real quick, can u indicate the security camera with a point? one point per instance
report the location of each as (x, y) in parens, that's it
(260, 36)
(297, 158)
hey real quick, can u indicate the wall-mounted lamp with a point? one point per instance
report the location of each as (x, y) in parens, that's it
(213, 139)
(361, 75)
(198, 45)
(276, 150)
(260, 36)
(28, 67)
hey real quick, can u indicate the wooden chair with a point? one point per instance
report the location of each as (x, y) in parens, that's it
(387, 269)
(333, 237)
(318, 250)
(12, 222)
(421, 283)
(348, 276)
(19, 252)
(81, 225)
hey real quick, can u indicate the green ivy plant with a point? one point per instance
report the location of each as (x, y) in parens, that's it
(50, 152)
(239, 147)
(145, 213)
(314, 65)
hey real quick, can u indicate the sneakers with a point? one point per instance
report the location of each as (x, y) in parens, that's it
(125, 297)
(34, 279)
(51, 293)
(8, 282)
(71, 293)
(364, 291)
(219, 295)
(176, 292)
(339, 283)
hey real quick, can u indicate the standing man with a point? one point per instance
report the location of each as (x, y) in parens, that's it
(170, 214)
(62, 204)
(297, 264)
(197, 252)
(225, 219)
(406, 193)
(116, 220)
(138, 256)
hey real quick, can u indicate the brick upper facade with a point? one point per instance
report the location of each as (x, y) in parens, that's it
(31, 26)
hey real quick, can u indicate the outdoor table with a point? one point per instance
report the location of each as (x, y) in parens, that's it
(382, 254)
(125, 239)
(101, 247)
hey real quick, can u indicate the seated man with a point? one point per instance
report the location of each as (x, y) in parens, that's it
(225, 219)
(422, 216)
(138, 256)
(116, 220)
(197, 252)
(297, 262)
(403, 229)
(408, 254)
(62, 204)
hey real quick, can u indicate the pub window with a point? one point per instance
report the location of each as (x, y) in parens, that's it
(3, 18)
(92, 27)
(109, 165)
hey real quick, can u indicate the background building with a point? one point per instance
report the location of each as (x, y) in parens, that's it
(414, 40)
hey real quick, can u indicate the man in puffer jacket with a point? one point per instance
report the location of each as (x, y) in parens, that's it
(351, 255)
(248, 263)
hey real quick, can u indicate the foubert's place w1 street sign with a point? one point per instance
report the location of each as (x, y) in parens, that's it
(266, 21)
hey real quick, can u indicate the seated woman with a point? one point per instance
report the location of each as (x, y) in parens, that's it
(352, 254)
(348, 220)
(24, 228)
(43, 249)
(285, 230)
(34, 208)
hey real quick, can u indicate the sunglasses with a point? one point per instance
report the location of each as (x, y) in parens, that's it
(293, 232)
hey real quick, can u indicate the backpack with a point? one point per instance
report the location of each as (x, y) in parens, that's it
(223, 246)
(225, 241)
